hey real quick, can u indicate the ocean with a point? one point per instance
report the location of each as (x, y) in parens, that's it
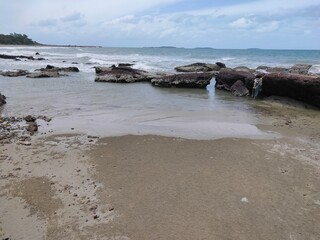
(77, 103)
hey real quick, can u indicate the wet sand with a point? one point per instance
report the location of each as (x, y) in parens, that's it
(153, 187)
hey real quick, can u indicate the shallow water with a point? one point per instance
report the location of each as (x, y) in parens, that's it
(108, 109)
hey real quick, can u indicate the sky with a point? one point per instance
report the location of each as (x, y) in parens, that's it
(235, 24)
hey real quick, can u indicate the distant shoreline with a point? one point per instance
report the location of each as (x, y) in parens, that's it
(47, 45)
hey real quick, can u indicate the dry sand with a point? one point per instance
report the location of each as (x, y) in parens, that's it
(153, 187)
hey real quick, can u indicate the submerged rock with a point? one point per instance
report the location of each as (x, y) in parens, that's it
(121, 75)
(17, 73)
(199, 67)
(189, 80)
(296, 86)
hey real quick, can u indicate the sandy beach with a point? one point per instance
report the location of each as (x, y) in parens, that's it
(75, 186)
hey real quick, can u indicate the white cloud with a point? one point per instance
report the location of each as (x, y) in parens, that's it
(268, 27)
(242, 23)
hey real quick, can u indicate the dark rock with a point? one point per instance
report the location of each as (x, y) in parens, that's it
(2, 99)
(227, 77)
(125, 65)
(50, 68)
(32, 127)
(30, 118)
(17, 73)
(74, 63)
(37, 53)
(239, 89)
(40, 59)
(44, 74)
(15, 57)
(121, 75)
(296, 86)
(300, 68)
(198, 67)
(221, 65)
(189, 80)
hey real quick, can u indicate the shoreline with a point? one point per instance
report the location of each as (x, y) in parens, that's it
(147, 186)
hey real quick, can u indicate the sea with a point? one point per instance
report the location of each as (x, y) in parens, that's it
(78, 104)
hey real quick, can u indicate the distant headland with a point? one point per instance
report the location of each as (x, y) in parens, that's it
(23, 39)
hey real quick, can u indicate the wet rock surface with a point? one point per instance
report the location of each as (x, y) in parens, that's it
(17, 73)
(227, 77)
(121, 75)
(18, 57)
(188, 80)
(200, 67)
(239, 89)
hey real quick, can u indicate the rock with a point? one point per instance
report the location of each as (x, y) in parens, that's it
(300, 69)
(198, 67)
(125, 65)
(227, 77)
(2, 99)
(15, 57)
(37, 53)
(296, 86)
(74, 63)
(243, 69)
(17, 73)
(221, 65)
(272, 69)
(32, 127)
(44, 74)
(50, 68)
(239, 89)
(30, 118)
(189, 80)
(121, 75)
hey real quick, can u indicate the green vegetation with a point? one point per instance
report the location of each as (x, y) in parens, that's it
(16, 39)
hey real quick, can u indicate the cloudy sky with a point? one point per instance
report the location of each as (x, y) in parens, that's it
(276, 24)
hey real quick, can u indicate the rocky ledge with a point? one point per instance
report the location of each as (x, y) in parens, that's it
(121, 74)
(280, 82)
(188, 80)
(296, 86)
(201, 67)
(51, 71)
(17, 73)
(18, 58)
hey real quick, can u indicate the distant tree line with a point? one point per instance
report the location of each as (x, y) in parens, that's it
(16, 39)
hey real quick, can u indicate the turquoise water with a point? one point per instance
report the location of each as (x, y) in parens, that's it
(107, 109)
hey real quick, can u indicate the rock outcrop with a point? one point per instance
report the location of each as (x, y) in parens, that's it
(227, 77)
(51, 72)
(2, 99)
(188, 80)
(300, 69)
(44, 74)
(50, 68)
(122, 74)
(17, 73)
(296, 86)
(239, 89)
(200, 67)
(18, 57)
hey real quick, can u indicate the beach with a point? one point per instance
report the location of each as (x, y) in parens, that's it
(75, 186)
(130, 161)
